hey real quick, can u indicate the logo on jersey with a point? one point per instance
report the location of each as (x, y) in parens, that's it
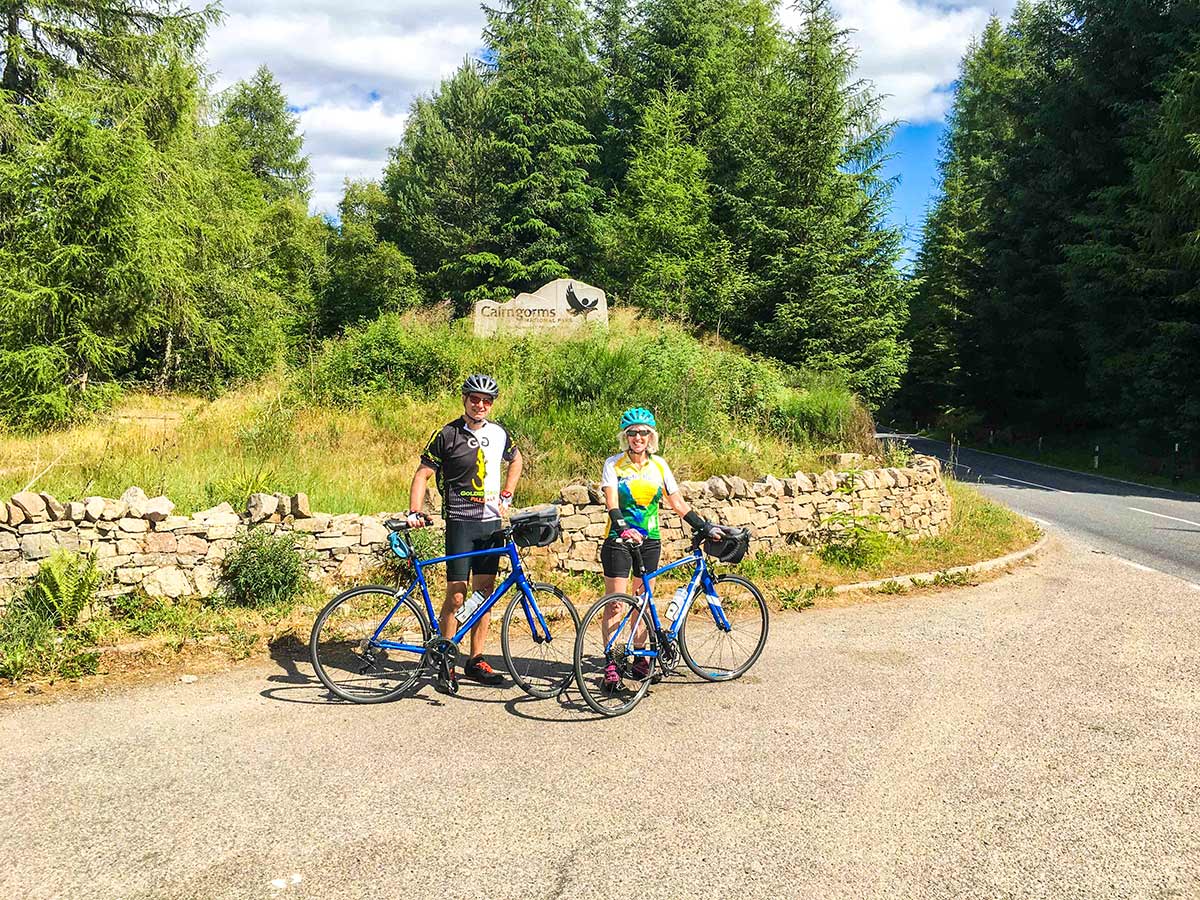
(480, 470)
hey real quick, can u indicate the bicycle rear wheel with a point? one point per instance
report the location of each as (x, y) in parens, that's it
(717, 653)
(540, 667)
(605, 640)
(346, 656)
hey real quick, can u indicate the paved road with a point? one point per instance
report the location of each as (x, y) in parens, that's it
(1035, 736)
(1149, 526)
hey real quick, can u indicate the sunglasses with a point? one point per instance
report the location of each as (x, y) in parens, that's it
(481, 400)
(638, 432)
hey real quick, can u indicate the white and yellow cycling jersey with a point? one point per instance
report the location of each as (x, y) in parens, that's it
(640, 489)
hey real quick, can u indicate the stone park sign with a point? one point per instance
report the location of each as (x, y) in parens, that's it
(565, 303)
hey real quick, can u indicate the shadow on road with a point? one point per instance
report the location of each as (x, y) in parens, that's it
(567, 707)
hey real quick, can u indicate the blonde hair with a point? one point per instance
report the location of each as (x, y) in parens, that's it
(651, 444)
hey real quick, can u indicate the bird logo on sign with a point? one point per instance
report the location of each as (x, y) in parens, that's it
(580, 305)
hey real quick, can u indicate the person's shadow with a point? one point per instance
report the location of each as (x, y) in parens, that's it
(297, 683)
(287, 651)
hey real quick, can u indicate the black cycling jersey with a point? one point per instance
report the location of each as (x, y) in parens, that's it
(467, 463)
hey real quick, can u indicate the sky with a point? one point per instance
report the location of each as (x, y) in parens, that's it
(351, 68)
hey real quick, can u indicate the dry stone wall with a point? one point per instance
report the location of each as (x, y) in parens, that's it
(783, 513)
(141, 543)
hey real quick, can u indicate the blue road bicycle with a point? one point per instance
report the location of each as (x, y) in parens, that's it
(623, 645)
(372, 643)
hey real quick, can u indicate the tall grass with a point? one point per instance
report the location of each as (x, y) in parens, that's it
(347, 428)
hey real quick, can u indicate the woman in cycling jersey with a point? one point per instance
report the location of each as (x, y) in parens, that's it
(635, 483)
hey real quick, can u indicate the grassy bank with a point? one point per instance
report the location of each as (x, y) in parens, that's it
(348, 428)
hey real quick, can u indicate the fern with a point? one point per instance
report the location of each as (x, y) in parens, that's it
(65, 584)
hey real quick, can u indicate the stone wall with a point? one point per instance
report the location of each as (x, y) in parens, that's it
(141, 543)
(911, 502)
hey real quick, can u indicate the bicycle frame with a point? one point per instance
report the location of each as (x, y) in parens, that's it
(700, 578)
(533, 615)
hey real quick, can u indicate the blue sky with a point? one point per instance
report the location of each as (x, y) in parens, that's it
(914, 151)
(352, 68)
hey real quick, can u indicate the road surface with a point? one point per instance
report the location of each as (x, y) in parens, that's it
(1145, 525)
(1036, 736)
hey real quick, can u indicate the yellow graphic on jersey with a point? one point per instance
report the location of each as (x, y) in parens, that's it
(642, 491)
(480, 470)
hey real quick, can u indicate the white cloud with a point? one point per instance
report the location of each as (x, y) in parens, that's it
(911, 49)
(347, 141)
(354, 66)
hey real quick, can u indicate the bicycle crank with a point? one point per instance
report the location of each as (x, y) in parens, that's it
(445, 652)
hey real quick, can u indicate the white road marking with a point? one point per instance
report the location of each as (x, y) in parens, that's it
(1143, 568)
(1162, 516)
(1031, 484)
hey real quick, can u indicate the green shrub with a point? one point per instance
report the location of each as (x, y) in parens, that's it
(236, 489)
(140, 614)
(263, 570)
(801, 598)
(850, 542)
(386, 355)
(897, 454)
(577, 386)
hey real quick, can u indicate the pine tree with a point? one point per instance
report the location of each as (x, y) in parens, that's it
(949, 261)
(115, 40)
(367, 276)
(662, 241)
(828, 294)
(256, 113)
(441, 185)
(617, 116)
(544, 95)
(1167, 175)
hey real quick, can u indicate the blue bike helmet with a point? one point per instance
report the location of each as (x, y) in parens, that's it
(637, 416)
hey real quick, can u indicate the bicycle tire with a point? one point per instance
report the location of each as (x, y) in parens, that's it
(752, 608)
(591, 659)
(340, 637)
(542, 669)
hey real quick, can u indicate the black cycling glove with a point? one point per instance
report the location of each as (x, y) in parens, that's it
(701, 524)
(618, 520)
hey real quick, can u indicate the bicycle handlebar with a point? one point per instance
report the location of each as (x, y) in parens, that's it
(402, 524)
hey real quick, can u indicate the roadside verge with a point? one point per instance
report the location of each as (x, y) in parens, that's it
(921, 579)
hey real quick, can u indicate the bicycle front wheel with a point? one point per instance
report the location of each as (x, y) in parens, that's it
(539, 659)
(722, 651)
(346, 653)
(610, 666)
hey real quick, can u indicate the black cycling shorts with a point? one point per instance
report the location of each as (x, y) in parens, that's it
(465, 536)
(618, 561)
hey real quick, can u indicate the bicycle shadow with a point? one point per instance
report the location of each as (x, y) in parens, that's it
(297, 683)
(567, 708)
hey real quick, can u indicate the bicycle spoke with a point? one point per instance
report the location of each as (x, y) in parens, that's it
(714, 653)
(540, 665)
(346, 652)
(612, 676)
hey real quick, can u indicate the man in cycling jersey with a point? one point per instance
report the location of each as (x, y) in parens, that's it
(466, 456)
